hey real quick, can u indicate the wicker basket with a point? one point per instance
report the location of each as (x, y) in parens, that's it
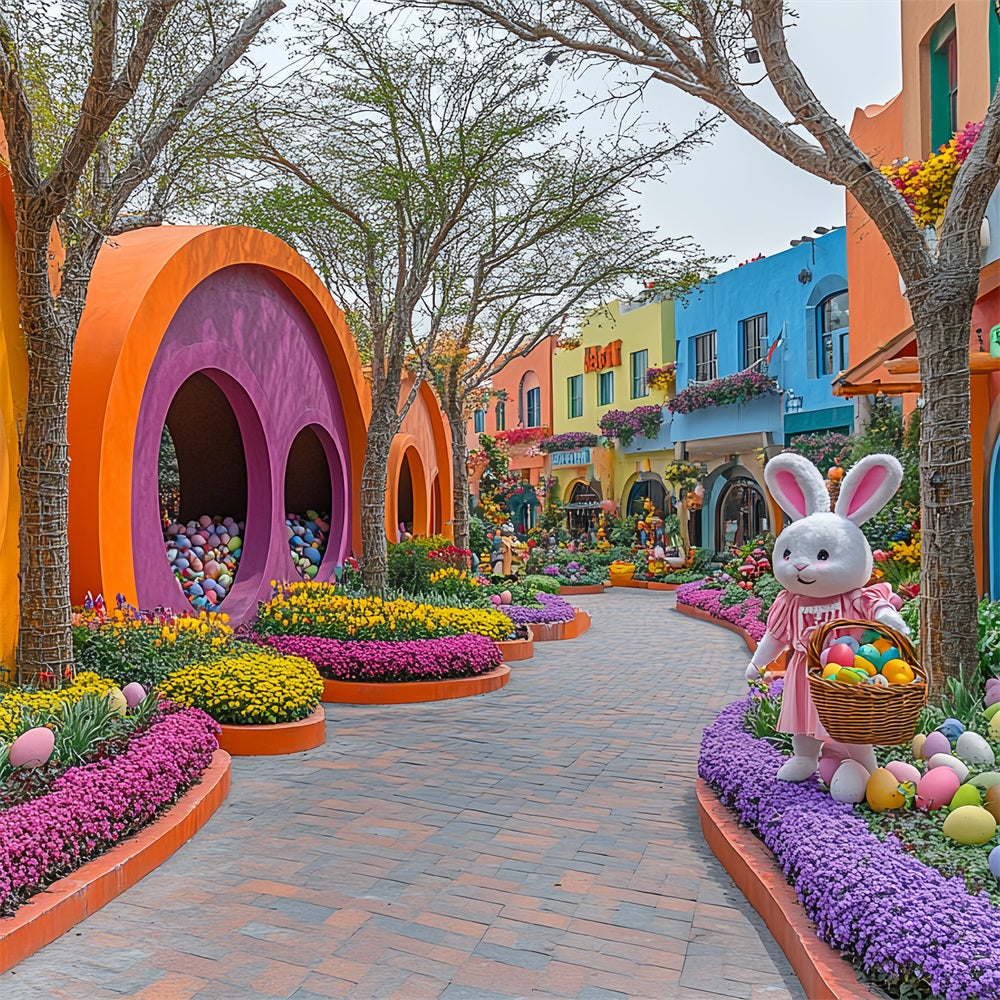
(866, 713)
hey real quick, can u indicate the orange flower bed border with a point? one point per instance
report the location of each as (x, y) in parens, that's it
(517, 649)
(280, 738)
(409, 692)
(562, 630)
(570, 590)
(777, 668)
(51, 913)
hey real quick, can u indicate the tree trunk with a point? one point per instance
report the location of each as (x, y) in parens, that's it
(460, 478)
(45, 638)
(948, 592)
(381, 430)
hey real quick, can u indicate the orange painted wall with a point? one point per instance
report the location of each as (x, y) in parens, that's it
(424, 439)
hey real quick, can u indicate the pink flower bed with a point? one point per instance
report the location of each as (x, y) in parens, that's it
(748, 615)
(388, 662)
(92, 807)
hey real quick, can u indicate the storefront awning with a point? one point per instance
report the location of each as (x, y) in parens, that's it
(590, 505)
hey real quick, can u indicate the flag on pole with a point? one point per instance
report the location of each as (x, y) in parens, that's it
(774, 346)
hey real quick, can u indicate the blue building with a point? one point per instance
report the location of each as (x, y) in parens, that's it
(784, 317)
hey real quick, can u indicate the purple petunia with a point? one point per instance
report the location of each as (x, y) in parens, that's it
(902, 919)
(748, 615)
(387, 662)
(93, 806)
(553, 609)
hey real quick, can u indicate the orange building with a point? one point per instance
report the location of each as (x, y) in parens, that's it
(950, 64)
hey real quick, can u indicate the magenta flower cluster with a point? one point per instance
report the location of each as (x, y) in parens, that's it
(553, 609)
(386, 662)
(570, 441)
(903, 920)
(749, 615)
(738, 388)
(92, 807)
(625, 425)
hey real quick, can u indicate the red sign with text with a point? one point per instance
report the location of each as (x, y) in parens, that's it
(596, 359)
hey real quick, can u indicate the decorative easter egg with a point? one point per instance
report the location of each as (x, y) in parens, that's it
(869, 652)
(992, 710)
(889, 653)
(865, 666)
(236, 553)
(992, 692)
(505, 597)
(840, 653)
(313, 555)
(882, 644)
(234, 543)
(973, 749)
(171, 555)
(849, 782)
(882, 790)
(935, 743)
(205, 521)
(495, 598)
(879, 680)
(198, 539)
(967, 795)
(211, 569)
(995, 729)
(870, 635)
(182, 563)
(849, 675)
(225, 580)
(214, 541)
(936, 788)
(211, 597)
(850, 640)
(196, 590)
(918, 745)
(952, 728)
(994, 861)
(117, 702)
(899, 672)
(969, 825)
(828, 767)
(310, 571)
(133, 693)
(33, 748)
(947, 760)
(991, 801)
(830, 670)
(903, 771)
(986, 780)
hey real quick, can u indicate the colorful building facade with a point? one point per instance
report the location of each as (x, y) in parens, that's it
(783, 317)
(950, 56)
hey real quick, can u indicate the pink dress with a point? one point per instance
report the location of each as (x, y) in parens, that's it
(791, 621)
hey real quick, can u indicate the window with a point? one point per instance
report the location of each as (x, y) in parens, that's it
(833, 325)
(705, 362)
(533, 402)
(479, 421)
(605, 388)
(501, 415)
(640, 362)
(574, 395)
(943, 80)
(754, 334)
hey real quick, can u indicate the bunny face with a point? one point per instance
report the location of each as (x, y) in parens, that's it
(823, 553)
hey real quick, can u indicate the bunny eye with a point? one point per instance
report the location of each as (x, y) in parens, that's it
(786, 554)
(822, 555)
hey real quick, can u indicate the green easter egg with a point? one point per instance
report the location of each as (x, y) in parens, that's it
(870, 636)
(967, 795)
(991, 711)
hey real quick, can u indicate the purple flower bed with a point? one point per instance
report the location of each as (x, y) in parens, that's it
(749, 615)
(904, 921)
(388, 662)
(553, 609)
(92, 807)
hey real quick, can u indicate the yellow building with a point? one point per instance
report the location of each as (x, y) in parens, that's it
(606, 371)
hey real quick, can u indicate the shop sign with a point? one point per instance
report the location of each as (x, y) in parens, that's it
(579, 457)
(596, 359)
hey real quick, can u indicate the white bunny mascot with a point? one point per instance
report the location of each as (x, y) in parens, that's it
(824, 562)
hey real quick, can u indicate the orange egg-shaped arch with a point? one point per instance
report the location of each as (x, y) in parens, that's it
(149, 291)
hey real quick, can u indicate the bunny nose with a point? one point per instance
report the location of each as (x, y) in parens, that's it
(800, 566)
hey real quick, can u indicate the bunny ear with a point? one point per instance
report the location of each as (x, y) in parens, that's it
(797, 485)
(868, 487)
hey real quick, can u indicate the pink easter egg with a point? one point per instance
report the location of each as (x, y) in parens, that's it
(212, 569)
(828, 764)
(992, 691)
(937, 788)
(936, 742)
(211, 596)
(841, 654)
(505, 596)
(134, 693)
(495, 598)
(33, 748)
(205, 521)
(902, 771)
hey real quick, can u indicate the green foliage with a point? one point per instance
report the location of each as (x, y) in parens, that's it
(545, 584)
(823, 450)
(910, 614)
(621, 530)
(478, 541)
(761, 717)
(989, 638)
(767, 589)
(888, 432)
(891, 524)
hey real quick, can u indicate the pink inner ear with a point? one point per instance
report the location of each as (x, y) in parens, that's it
(873, 479)
(789, 485)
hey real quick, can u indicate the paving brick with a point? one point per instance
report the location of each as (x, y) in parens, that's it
(538, 841)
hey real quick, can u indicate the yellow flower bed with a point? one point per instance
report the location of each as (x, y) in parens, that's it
(14, 700)
(250, 686)
(318, 609)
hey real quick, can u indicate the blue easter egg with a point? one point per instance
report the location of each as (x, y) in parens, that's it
(951, 728)
(196, 590)
(849, 640)
(892, 653)
(870, 653)
(181, 563)
(237, 553)
(995, 861)
(313, 555)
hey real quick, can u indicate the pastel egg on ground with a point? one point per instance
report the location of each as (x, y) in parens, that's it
(992, 710)
(882, 791)
(994, 861)
(937, 788)
(967, 795)
(904, 771)
(936, 742)
(849, 782)
(33, 748)
(995, 728)
(970, 825)
(991, 802)
(973, 749)
(917, 745)
(951, 762)
(134, 693)
(952, 728)
(992, 692)
(828, 764)
(986, 780)
(117, 702)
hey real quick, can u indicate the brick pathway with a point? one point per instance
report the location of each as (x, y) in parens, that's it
(540, 841)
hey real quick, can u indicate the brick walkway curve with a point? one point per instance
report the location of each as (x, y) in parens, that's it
(540, 841)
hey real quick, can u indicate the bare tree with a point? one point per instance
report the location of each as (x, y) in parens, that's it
(698, 47)
(90, 97)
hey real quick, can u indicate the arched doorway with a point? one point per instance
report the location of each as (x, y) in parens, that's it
(651, 489)
(437, 522)
(404, 494)
(993, 555)
(740, 514)
(581, 511)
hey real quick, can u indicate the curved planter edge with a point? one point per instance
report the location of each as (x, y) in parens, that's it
(570, 591)
(562, 630)
(777, 667)
(52, 912)
(823, 973)
(409, 692)
(517, 649)
(272, 740)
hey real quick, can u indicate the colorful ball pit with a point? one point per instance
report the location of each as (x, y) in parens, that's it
(204, 555)
(307, 536)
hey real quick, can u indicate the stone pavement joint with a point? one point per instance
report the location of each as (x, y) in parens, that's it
(538, 841)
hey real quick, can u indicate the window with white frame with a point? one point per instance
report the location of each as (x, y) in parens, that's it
(833, 324)
(639, 362)
(605, 388)
(754, 333)
(706, 363)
